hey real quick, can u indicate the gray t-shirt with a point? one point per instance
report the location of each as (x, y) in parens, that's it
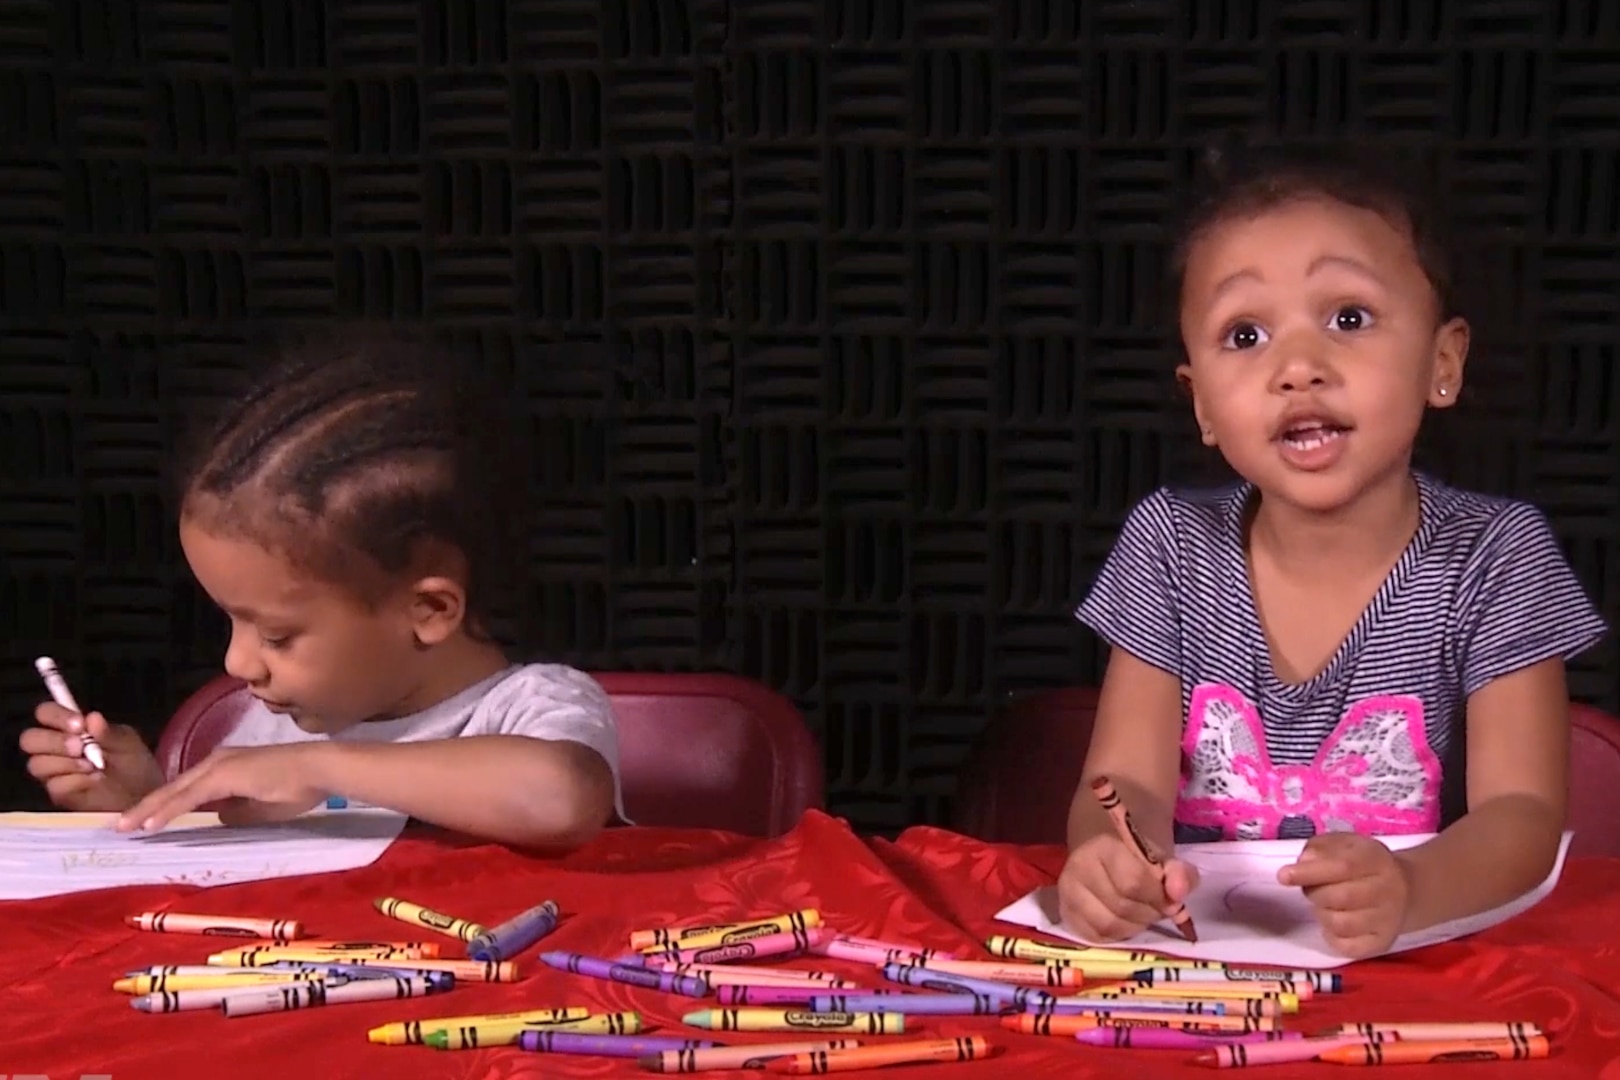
(1374, 742)
(542, 701)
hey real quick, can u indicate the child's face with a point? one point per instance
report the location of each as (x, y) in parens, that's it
(305, 647)
(1313, 347)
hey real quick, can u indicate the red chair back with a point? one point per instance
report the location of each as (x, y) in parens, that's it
(695, 750)
(1017, 785)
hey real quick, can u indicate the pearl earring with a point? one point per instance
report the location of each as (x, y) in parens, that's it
(1444, 391)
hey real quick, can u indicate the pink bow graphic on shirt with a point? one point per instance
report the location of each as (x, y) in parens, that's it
(1375, 774)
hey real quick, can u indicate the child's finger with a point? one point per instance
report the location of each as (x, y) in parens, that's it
(48, 766)
(71, 785)
(1180, 879)
(48, 741)
(1318, 870)
(51, 715)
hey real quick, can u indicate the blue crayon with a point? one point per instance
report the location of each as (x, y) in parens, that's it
(515, 934)
(909, 1004)
(951, 983)
(565, 1042)
(597, 968)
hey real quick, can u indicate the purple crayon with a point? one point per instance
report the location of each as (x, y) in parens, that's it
(909, 1004)
(597, 968)
(950, 983)
(760, 994)
(515, 934)
(1141, 1038)
(563, 1042)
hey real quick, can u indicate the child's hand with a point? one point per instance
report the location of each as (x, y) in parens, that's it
(1107, 891)
(1358, 888)
(260, 783)
(56, 759)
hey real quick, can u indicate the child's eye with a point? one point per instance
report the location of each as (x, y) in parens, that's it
(1351, 317)
(273, 642)
(1244, 336)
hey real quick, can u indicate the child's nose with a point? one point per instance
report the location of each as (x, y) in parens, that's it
(242, 660)
(1302, 365)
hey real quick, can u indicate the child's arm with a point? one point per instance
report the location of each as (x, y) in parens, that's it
(1518, 764)
(513, 789)
(1136, 743)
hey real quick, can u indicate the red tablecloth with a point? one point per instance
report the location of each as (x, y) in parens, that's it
(1558, 965)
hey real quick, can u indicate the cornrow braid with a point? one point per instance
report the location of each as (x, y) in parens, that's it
(357, 455)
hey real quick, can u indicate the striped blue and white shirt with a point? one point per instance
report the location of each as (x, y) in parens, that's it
(1374, 742)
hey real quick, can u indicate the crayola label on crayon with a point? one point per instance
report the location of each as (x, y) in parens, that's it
(735, 937)
(720, 954)
(818, 1020)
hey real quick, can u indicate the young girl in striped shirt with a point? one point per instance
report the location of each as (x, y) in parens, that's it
(1337, 647)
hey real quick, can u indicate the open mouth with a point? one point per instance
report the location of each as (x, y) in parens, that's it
(1311, 434)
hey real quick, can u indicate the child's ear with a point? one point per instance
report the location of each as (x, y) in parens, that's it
(1450, 358)
(1184, 380)
(438, 607)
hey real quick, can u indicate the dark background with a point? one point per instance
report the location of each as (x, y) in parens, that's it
(866, 353)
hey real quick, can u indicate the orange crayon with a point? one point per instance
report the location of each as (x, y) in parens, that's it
(1437, 1051)
(1103, 789)
(915, 1051)
(174, 922)
(1243, 1055)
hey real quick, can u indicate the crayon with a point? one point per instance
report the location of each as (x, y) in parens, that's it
(311, 995)
(1075, 1007)
(168, 1001)
(515, 934)
(913, 1051)
(1438, 1051)
(597, 968)
(417, 915)
(690, 937)
(908, 1004)
(174, 922)
(1285, 1001)
(1072, 1023)
(748, 974)
(1017, 974)
(260, 955)
(58, 688)
(1134, 1038)
(1112, 805)
(773, 994)
(1242, 1055)
(1229, 1007)
(444, 980)
(1189, 977)
(860, 952)
(945, 983)
(796, 1020)
(753, 949)
(506, 1032)
(1465, 1030)
(409, 1032)
(1017, 948)
(153, 984)
(470, 970)
(751, 1056)
(548, 1042)
(426, 950)
(890, 946)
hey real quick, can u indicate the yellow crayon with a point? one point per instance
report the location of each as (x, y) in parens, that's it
(506, 1032)
(1017, 948)
(154, 984)
(410, 1032)
(263, 955)
(768, 1019)
(417, 915)
(702, 937)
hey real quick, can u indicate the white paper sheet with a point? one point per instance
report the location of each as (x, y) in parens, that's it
(52, 854)
(1244, 917)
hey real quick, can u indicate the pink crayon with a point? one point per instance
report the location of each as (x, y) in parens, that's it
(862, 952)
(890, 946)
(785, 944)
(1142, 1038)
